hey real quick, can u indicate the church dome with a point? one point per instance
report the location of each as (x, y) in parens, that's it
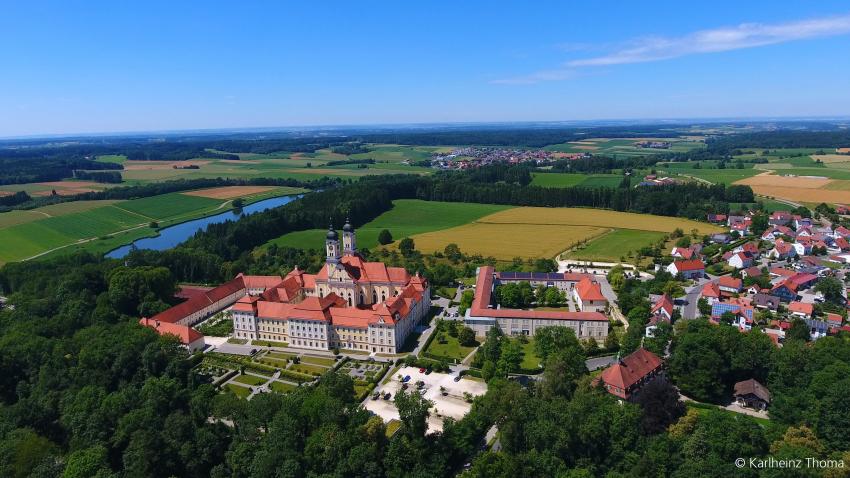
(332, 235)
(347, 227)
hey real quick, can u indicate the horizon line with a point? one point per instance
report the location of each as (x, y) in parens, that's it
(411, 125)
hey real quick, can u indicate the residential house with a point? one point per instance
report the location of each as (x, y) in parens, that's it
(786, 290)
(711, 292)
(766, 301)
(749, 247)
(689, 269)
(717, 218)
(740, 260)
(817, 328)
(782, 250)
(779, 218)
(773, 233)
(752, 272)
(730, 285)
(801, 309)
(720, 238)
(752, 394)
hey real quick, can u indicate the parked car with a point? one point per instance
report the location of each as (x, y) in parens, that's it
(422, 370)
(405, 379)
(376, 395)
(387, 396)
(428, 371)
(457, 379)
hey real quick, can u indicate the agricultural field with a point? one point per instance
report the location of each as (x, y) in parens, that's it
(707, 172)
(614, 245)
(566, 180)
(530, 232)
(100, 225)
(406, 218)
(506, 241)
(809, 190)
(625, 146)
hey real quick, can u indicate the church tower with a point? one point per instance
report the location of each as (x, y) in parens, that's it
(332, 246)
(349, 243)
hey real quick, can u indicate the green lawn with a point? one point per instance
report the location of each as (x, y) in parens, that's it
(611, 246)
(240, 391)
(530, 360)
(308, 369)
(280, 355)
(452, 349)
(406, 218)
(328, 362)
(281, 387)
(269, 343)
(250, 380)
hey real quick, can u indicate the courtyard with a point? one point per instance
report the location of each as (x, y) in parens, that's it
(449, 397)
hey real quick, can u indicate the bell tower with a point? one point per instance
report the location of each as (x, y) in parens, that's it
(332, 247)
(349, 242)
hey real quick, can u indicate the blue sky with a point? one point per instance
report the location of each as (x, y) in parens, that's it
(74, 67)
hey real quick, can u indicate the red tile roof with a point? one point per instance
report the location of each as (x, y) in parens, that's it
(588, 289)
(689, 265)
(730, 282)
(711, 289)
(663, 303)
(801, 307)
(200, 301)
(483, 293)
(187, 335)
(630, 370)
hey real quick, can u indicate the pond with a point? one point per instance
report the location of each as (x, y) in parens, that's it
(173, 235)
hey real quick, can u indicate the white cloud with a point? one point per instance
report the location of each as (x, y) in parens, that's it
(745, 35)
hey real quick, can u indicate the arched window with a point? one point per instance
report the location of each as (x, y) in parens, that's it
(362, 299)
(349, 301)
(374, 296)
(383, 296)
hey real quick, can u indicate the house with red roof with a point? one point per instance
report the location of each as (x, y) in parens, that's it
(753, 272)
(588, 296)
(801, 309)
(711, 292)
(484, 314)
(780, 218)
(782, 250)
(730, 285)
(740, 260)
(689, 269)
(625, 378)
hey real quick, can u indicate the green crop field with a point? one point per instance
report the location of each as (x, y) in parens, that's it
(168, 205)
(566, 180)
(24, 234)
(618, 243)
(406, 218)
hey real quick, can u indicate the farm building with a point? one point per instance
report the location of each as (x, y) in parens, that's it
(690, 269)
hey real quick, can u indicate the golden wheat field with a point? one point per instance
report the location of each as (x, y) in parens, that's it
(596, 218)
(506, 241)
(544, 232)
(800, 189)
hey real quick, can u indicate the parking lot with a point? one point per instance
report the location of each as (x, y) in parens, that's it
(452, 404)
